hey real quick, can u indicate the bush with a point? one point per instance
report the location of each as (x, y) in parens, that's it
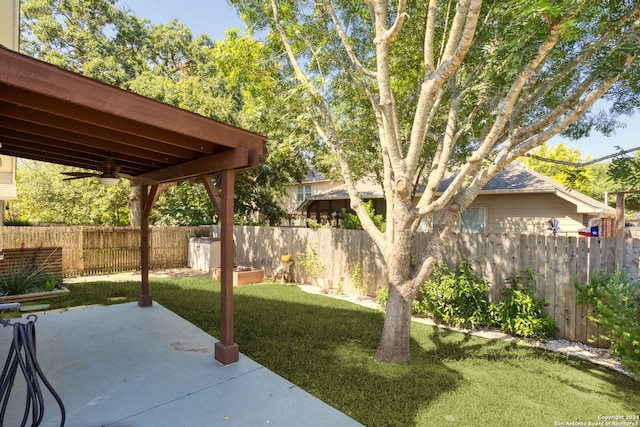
(352, 222)
(382, 295)
(26, 276)
(457, 297)
(520, 313)
(17, 223)
(616, 300)
(460, 297)
(312, 265)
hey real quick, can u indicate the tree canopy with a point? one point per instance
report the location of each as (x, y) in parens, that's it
(43, 197)
(423, 90)
(575, 178)
(235, 80)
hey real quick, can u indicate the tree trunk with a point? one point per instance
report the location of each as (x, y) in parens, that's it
(394, 344)
(134, 206)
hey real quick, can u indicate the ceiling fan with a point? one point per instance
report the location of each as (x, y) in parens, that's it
(109, 175)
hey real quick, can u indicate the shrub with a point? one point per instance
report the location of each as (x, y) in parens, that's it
(382, 295)
(352, 222)
(520, 313)
(616, 300)
(17, 223)
(26, 276)
(457, 297)
(460, 297)
(311, 264)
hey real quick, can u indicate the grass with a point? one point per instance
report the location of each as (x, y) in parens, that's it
(325, 346)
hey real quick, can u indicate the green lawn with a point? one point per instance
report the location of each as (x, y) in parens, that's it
(325, 346)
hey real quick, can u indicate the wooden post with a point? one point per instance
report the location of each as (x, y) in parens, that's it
(226, 351)
(147, 199)
(619, 249)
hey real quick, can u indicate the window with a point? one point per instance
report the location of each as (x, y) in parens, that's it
(304, 192)
(472, 220)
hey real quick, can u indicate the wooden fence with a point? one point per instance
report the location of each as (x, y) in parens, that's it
(348, 259)
(49, 259)
(556, 261)
(95, 250)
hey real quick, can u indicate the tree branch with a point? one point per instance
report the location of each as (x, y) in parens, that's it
(329, 134)
(467, 14)
(586, 52)
(345, 42)
(511, 98)
(429, 37)
(581, 164)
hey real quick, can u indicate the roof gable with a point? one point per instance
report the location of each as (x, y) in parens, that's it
(517, 178)
(514, 179)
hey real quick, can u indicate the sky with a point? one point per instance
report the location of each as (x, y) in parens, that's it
(213, 17)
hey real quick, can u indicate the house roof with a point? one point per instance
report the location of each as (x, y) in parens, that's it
(518, 179)
(514, 179)
(56, 116)
(314, 175)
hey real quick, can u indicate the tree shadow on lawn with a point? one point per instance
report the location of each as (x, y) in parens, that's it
(325, 346)
(589, 380)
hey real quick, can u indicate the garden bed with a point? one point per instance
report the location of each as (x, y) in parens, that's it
(35, 296)
(242, 275)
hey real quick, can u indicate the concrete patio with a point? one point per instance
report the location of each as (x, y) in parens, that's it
(127, 366)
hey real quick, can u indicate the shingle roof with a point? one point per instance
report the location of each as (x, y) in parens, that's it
(515, 178)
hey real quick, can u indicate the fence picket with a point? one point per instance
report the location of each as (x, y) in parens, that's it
(562, 261)
(569, 290)
(492, 259)
(538, 262)
(582, 270)
(550, 276)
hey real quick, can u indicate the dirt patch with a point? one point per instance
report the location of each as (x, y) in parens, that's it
(136, 275)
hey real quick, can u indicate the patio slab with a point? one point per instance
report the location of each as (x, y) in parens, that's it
(127, 366)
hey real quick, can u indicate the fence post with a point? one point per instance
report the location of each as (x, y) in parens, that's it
(619, 252)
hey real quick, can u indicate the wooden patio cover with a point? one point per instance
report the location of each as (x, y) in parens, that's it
(53, 115)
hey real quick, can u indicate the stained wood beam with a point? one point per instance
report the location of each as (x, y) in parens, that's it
(89, 131)
(231, 159)
(213, 193)
(149, 119)
(148, 200)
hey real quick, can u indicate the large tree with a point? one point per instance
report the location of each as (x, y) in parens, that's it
(233, 80)
(556, 164)
(593, 177)
(428, 88)
(43, 197)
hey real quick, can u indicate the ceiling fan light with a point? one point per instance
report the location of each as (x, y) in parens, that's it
(109, 180)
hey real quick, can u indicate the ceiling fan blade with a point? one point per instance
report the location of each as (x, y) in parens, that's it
(80, 174)
(77, 177)
(124, 175)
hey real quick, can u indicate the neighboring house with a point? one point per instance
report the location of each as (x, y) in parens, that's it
(322, 200)
(7, 182)
(517, 200)
(9, 37)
